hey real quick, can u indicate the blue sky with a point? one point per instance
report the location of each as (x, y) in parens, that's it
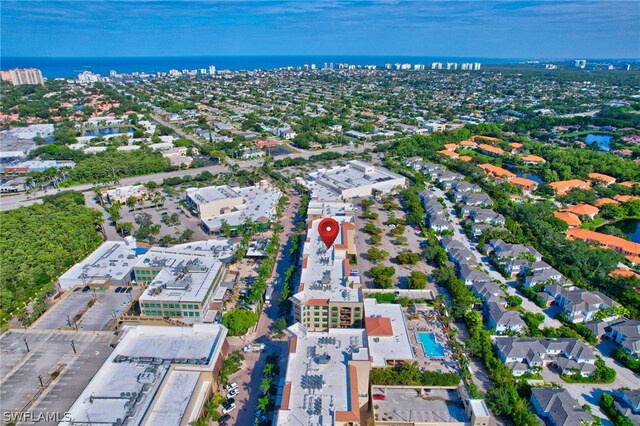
(509, 29)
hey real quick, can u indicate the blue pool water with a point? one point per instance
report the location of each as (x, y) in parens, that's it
(429, 344)
(140, 251)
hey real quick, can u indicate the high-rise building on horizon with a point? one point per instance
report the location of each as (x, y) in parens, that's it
(212, 70)
(20, 76)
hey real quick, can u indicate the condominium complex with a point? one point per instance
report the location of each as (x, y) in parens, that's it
(328, 295)
(217, 205)
(20, 76)
(157, 375)
(327, 379)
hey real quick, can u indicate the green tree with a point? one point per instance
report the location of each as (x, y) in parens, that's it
(239, 321)
(417, 280)
(377, 255)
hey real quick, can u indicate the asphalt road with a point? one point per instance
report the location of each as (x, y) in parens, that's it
(458, 234)
(10, 202)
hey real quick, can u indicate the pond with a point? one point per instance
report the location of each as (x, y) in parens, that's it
(522, 174)
(108, 131)
(603, 141)
(630, 228)
(530, 177)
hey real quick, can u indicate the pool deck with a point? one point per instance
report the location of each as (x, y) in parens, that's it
(429, 323)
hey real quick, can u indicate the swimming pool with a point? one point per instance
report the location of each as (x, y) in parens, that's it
(431, 347)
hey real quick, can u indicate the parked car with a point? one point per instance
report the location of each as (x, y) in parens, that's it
(129, 289)
(233, 392)
(228, 408)
(230, 386)
(379, 397)
(223, 419)
(86, 288)
(256, 347)
(118, 289)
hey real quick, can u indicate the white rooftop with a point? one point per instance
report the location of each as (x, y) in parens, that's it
(355, 174)
(325, 209)
(320, 359)
(323, 274)
(126, 191)
(257, 204)
(113, 259)
(221, 249)
(394, 347)
(140, 370)
(184, 277)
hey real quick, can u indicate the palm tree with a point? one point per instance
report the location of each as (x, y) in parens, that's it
(268, 370)
(265, 385)
(263, 403)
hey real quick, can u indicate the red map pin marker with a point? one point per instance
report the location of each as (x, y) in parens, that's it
(328, 229)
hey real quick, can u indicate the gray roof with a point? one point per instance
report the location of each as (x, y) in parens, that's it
(503, 249)
(560, 406)
(480, 199)
(628, 328)
(520, 347)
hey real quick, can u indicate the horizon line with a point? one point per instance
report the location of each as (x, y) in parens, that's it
(319, 55)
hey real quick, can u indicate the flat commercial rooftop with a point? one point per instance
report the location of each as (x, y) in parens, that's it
(386, 333)
(183, 278)
(356, 174)
(409, 405)
(327, 209)
(113, 260)
(259, 205)
(324, 272)
(319, 374)
(221, 249)
(150, 363)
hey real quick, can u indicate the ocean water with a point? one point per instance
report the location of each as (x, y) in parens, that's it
(70, 67)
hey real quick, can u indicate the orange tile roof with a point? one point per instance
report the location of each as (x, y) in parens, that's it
(469, 143)
(293, 344)
(629, 184)
(378, 326)
(526, 183)
(602, 201)
(450, 146)
(516, 145)
(624, 273)
(318, 302)
(487, 138)
(448, 153)
(568, 217)
(633, 259)
(602, 178)
(607, 241)
(533, 159)
(564, 186)
(466, 158)
(496, 171)
(626, 198)
(490, 148)
(583, 209)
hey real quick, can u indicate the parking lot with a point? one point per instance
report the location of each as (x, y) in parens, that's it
(169, 207)
(74, 309)
(49, 352)
(412, 245)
